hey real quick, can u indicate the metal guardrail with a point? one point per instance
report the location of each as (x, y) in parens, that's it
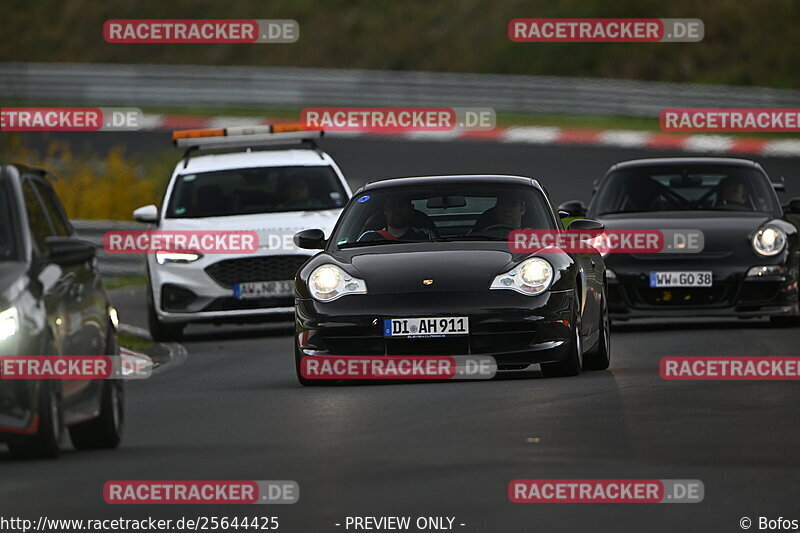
(184, 85)
(111, 264)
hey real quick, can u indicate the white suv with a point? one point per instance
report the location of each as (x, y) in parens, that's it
(275, 192)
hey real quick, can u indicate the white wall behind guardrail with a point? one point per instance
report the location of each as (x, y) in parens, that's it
(185, 85)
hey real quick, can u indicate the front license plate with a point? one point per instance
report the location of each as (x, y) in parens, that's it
(263, 289)
(680, 279)
(425, 327)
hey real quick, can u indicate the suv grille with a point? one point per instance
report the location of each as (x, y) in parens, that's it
(264, 268)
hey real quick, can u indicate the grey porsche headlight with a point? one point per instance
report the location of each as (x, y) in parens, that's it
(329, 282)
(9, 323)
(769, 241)
(533, 276)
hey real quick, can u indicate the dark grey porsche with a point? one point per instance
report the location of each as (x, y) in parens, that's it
(749, 264)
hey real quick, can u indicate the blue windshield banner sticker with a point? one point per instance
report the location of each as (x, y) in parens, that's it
(363, 199)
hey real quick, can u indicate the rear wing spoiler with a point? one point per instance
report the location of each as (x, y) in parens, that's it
(243, 137)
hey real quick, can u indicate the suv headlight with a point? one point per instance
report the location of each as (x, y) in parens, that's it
(9, 323)
(176, 257)
(533, 276)
(329, 282)
(769, 241)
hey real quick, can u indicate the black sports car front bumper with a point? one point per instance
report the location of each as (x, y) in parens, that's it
(733, 293)
(515, 329)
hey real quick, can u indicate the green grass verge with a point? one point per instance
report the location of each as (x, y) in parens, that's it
(132, 342)
(120, 282)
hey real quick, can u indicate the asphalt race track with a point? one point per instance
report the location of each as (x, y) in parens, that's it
(233, 410)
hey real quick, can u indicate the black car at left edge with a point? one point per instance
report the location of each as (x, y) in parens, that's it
(52, 302)
(408, 250)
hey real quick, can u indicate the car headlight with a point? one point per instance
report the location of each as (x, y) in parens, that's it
(533, 276)
(9, 323)
(769, 241)
(329, 282)
(176, 257)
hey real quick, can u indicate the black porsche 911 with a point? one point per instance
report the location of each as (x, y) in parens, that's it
(749, 264)
(406, 250)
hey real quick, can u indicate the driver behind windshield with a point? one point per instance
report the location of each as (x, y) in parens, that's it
(295, 193)
(733, 193)
(399, 214)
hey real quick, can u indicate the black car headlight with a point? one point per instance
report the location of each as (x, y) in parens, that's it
(329, 282)
(769, 241)
(533, 276)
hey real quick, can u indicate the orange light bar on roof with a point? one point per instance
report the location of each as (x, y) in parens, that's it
(195, 134)
(283, 128)
(240, 130)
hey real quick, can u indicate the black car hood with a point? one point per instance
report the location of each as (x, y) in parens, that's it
(11, 281)
(450, 270)
(723, 232)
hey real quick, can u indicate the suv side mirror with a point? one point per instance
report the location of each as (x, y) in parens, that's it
(310, 239)
(147, 214)
(586, 224)
(793, 206)
(68, 250)
(575, 208)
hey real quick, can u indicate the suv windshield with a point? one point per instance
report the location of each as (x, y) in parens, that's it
(675, 188)
(459, 211)
(8, 244)
(247, 191)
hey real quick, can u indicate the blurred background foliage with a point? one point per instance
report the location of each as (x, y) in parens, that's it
(747, 42)
(104, 186)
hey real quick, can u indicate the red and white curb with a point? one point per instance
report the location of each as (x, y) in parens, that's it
(704, 143)
(137, 362)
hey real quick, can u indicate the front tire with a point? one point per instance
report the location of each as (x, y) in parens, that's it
(574, 361)
(600, 356)
(161, 331)
(305, 381)
(105, 431)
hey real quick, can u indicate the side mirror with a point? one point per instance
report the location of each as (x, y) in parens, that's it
(147, 214)
(780, 185)
(574, 208)
(68, 250)
(793, 207)
(310, 239)
(586, 224)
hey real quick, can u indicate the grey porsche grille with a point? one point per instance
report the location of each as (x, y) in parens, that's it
(263, 268)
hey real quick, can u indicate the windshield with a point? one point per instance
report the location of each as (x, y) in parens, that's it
(675, 188)
(247, 191)
(457, 211)
(8, 244)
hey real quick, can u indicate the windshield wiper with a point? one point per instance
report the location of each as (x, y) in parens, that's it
(357, 244)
